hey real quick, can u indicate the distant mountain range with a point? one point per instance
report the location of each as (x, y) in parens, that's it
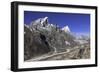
(41, 37)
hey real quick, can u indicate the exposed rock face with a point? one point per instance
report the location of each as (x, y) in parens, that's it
(35, 44)
(41, 37)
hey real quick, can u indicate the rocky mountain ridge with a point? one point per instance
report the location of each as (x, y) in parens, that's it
(41, 37)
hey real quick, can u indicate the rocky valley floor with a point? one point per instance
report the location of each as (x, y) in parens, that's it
(69, 54)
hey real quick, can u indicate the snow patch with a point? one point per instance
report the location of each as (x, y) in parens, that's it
(66, 29)
(67, 43)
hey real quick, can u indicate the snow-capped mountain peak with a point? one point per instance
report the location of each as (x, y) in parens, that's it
(40, 22)
(44, 21)
(66, 29)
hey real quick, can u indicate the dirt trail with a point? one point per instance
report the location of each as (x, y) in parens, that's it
(68, 54)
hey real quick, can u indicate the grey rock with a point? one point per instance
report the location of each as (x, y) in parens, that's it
(41, 37)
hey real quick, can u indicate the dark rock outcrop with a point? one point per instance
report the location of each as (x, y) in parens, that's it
(35, 44)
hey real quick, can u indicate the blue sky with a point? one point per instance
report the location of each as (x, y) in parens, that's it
(78, 23)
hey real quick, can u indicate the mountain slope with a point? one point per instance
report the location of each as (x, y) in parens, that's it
(41, 37)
